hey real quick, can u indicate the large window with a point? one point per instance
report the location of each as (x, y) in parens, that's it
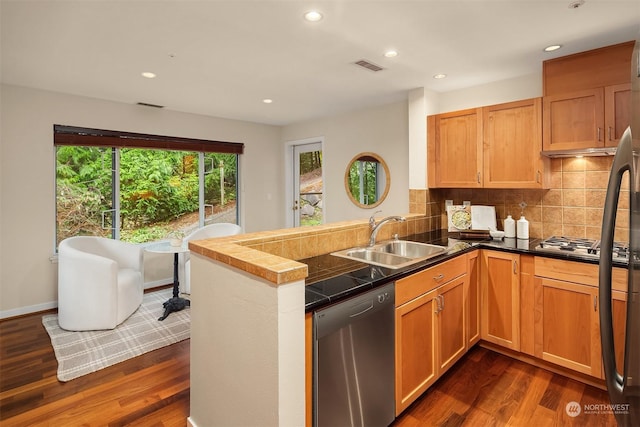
(129, 189)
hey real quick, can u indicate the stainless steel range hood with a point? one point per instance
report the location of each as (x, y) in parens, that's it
(583, 152)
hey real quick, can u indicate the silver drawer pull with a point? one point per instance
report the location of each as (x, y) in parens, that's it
(439, 277)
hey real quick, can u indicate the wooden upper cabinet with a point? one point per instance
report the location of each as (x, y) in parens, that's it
(574, 121)
(587, 98)
(477, 147)
(617, 112)
(454, 145)
(512, 145)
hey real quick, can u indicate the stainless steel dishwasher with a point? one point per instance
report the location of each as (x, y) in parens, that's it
(354, 361)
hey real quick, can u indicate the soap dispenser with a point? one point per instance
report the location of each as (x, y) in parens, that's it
(523, 224)
(523, 228)
(509, 227)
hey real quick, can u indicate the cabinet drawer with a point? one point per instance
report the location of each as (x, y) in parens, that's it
(426, 280)
(577, 272)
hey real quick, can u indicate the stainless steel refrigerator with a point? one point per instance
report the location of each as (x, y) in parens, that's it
(623, 382)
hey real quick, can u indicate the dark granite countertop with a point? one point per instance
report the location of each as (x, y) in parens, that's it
(332, 278)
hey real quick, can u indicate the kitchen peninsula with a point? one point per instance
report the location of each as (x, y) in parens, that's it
(252, 282)
(254, 371)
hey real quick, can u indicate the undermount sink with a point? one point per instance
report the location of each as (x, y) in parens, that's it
(393, 254)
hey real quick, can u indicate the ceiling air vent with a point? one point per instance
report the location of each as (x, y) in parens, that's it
(369, 65)
(146, 104)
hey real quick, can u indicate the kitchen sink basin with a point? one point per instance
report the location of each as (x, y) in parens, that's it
(410, 249)
(393, 254)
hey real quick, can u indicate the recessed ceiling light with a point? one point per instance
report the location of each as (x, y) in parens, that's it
(267, 100)
(149, 75)
(552, 47)
(439, 76)
(313, 16)
(391, 53)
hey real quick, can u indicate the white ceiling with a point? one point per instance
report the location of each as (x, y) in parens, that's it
(221, 58)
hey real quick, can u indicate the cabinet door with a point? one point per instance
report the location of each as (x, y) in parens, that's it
(416, 365)
(567, 331)
(473, 299)
(455, 149)
(619, 320)
(451, 318)
(617, 112)
(512, 145)
(501, 298)
(573, 121)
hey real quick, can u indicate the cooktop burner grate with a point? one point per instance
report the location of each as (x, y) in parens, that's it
(582, 246)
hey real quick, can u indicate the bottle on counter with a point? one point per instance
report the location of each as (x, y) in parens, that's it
(523, 228)
(509, 227)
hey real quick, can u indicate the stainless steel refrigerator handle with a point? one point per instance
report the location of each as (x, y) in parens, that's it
(622, 163)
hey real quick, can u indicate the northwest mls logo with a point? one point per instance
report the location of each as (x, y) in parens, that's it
(573, 409)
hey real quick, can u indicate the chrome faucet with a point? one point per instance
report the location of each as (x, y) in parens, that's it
(375, 227)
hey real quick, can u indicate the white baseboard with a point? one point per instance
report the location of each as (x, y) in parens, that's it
(21, 311)
(4, 314)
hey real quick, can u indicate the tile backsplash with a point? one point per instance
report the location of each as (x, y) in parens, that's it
(572, 206)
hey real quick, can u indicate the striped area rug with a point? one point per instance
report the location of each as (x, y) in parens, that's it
(80, 353)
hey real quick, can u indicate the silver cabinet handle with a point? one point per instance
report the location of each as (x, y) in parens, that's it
(438, 309)
(515, 267)
(442, 296)
(599, 139)
(610, 134)
(478, 177)
(439, 277)
(538, 176)
(595, 303)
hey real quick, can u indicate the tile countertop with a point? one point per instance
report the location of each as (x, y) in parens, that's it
(332, 279)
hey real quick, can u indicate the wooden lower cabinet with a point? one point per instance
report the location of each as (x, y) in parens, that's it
(473, 298)
(619, 317)
(567, 331)
(415, 348)
(567, 315)
(430, 331)
(450, 322)
(500, 288)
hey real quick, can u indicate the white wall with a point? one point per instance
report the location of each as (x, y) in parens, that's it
(27, 177)
(524, 87)
(382, 130)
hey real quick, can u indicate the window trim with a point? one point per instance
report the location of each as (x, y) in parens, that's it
(88, 137)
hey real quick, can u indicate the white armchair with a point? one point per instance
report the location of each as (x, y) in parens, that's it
(100, 282)
(208, 231)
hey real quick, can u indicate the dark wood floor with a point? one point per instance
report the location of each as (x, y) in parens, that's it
(483, 389)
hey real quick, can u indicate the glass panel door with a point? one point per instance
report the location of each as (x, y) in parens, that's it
(308, 184)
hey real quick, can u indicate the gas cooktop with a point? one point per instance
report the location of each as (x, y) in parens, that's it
(582, 247)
